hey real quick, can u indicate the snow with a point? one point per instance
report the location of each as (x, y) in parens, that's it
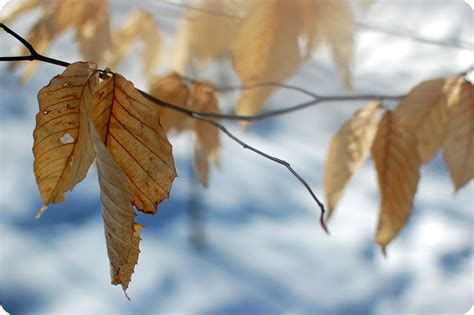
(251, 243)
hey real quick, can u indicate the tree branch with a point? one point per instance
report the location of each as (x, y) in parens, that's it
(196, 115)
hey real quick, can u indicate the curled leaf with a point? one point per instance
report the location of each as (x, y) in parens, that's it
(173, 90)
(122, 234)
(458, 147)
(129, 125)
(62, 147)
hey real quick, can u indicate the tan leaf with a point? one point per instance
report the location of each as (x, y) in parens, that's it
(348, 150)
(130, 127)
(212, 34)
(397, 164)
(203, 99)
(93, 30)
(459, 142)
(425, 108)
(309, 18)
(62, 148)
(122, 234)
(266, 50)
(207, 144)
(139, 25)
(337, 26)
(173, 90)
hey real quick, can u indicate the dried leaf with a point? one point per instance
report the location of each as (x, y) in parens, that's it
(130, 127)
(93, 30)
(212, 27)
(122, 234)
(203, 99)
(266, 50)
(139, 25)
(459, 142)
(337, 26)
(397, 164)
(425, 108)
(349, 148)
(173, 90)
(62, 148)
(207, 144)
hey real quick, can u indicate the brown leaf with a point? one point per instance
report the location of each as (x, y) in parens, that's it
(206, 32)
(266, 50)
(130, 127)
(122, 234)
(139, 25)
(93, 30)
(203, 99)
(425, 108)
(173, 90)
(207, 144)
(348, 150)
(62, 148)
(337, 26)
(458, 148)
(397, 164)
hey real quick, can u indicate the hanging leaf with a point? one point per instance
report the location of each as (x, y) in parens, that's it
(122, 234)
(337, 27)
(397, 164)
(207, 144)
(173, 90)
(266, 50)
(348, 150)
(206, 32)
(129, 125)
(425, 108)
(93, 30)
(62, 148)
(459, 143)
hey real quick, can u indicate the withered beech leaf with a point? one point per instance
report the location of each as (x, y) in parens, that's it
(129, 126)
(425, 109)
(206, 31)
(62, 148)
(122, 234)
(458, 148)
(397, 164)
(207, 144)
(337, 27)
(348, 150)
(173, 90)
(139, 25)
(266, 49)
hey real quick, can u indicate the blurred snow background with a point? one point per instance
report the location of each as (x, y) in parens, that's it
(251, 243)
